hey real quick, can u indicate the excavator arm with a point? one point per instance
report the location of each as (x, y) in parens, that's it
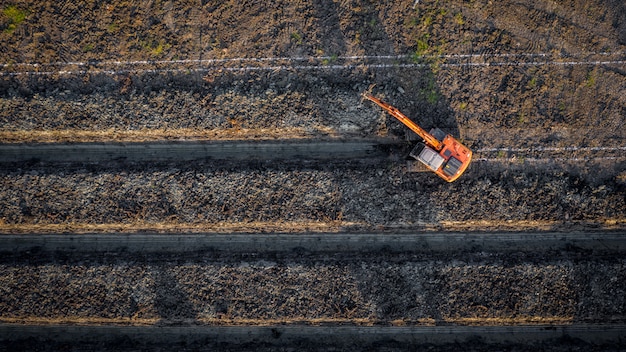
(444, 155)
(428, 138)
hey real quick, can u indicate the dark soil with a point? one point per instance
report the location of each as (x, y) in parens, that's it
(310, 286)
(537, 89)
(349, 197)
(544, 118)
(544, 91)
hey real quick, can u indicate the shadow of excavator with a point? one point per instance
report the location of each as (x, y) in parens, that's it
(172, 303)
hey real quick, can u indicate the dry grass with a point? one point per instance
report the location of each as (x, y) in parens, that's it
(532, 225)
(176, 227)
(507, 321)
(78, 321)
(306, 226)
(86, 321)
(148, 135)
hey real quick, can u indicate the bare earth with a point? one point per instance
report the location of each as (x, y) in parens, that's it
(537, 89)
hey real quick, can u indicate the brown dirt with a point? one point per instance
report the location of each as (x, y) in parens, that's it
(315, 285)
(207, 197)
(544, 79)
(527, 108)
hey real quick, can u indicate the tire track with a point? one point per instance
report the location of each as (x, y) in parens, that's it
(551, 149)
(311, 63)
(550, 154)
(290, 59)
(558, 160)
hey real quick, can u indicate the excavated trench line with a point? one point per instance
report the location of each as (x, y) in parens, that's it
(302, 337)
(596, 247)
(262, 150)
(187, 151)
(320, 243)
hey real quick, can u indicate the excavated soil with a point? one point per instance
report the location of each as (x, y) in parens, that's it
(297, 197)
(519, 74)
(476, 282)
(536, 89)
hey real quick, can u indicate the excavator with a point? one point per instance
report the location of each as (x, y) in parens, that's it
(439, 151)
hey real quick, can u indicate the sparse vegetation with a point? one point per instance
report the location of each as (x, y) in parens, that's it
(113, 27)
(155, 47)
(422, 46)
(330, 60)
(458, 19)
(295, 36)
(590, 80)
(15, 17)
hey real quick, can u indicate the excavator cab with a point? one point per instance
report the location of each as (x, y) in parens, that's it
(449, 163)
(427, 156)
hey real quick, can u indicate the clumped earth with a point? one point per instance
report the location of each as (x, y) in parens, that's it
(324, 197)
(388, 289)
(516, 83)
(122, 67)
(536, 88)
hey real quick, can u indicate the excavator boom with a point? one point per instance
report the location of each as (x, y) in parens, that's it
(440, 152)
(428, 138)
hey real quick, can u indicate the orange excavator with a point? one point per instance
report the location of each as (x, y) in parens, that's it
(440, 152)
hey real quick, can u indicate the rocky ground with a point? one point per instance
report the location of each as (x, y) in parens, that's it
(308, 280)
(535, 88)
(206, 197)
(122, 71)
(520, 85)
